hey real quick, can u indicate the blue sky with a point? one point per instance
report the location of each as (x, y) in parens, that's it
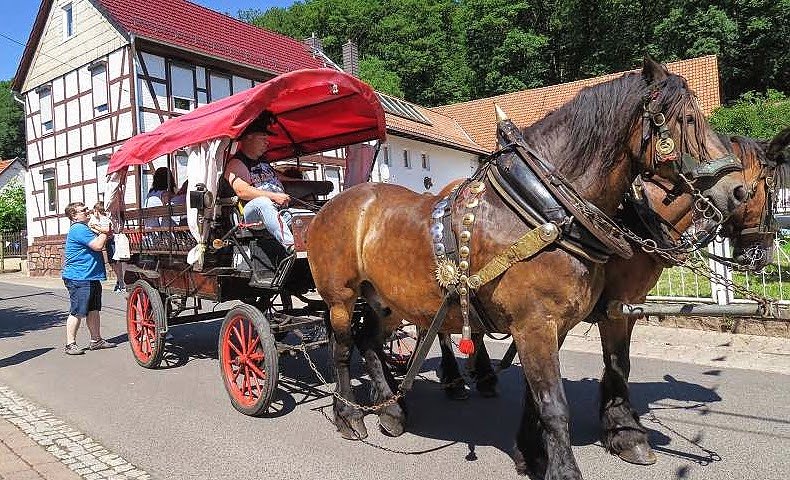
(18, 17)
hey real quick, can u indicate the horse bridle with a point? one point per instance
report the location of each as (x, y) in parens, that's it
(765, 230)
(692, 171)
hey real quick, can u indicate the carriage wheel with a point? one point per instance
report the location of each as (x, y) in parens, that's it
(248, 360)
(400, 346)
(144, 316)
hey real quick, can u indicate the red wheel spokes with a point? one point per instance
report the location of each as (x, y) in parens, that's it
(243, 360)
(142, 324)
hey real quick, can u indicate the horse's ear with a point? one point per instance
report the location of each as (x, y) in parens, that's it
(653, 71)
(777, 150)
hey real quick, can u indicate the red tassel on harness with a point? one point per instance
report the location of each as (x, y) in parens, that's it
(466, 346)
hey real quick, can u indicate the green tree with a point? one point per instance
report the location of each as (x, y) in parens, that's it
(374, 72)
(12, 206)
(12, 133)
(754, 115)
(506, 44)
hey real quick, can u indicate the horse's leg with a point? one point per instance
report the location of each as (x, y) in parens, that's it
(449, 375)
(539, 354)
(479, 367)
(348, 419)
(621, 432)
(370, 339)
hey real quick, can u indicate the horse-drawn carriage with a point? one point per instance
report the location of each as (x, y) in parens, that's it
(538, 208)
(207, 252)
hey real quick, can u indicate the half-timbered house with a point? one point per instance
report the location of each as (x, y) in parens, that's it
(96, 72)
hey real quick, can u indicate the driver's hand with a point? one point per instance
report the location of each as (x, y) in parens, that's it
(281, 199)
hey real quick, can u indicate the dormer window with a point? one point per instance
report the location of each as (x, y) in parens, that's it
(68, 21)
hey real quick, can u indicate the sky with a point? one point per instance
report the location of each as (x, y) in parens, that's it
(18, 17)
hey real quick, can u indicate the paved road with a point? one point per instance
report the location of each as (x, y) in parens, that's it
(706, 422)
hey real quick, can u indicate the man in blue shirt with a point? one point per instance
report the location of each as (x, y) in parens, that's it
(83, 271)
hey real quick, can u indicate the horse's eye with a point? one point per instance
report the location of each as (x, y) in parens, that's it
(690, 120)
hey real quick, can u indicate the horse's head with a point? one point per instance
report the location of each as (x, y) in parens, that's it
(675, 142)
(752, 227)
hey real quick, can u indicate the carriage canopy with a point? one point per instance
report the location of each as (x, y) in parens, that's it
(316, 110)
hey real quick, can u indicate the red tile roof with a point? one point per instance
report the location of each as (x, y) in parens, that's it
(199, 29)
(185, 25)
(525, 107)
(5, 164)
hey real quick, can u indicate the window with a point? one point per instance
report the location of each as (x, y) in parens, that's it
(50, 190)
(220, 86)
(182, 84)
(406, 159)
(426, 161)
(68, 21)
(387, 160)
(99, 88)
(45, 101)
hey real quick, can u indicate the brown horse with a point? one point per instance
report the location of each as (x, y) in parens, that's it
(373, 240)
(629, 281)
(752, 233)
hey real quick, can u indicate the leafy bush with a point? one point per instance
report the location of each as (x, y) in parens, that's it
(12, 206)
(754, 115)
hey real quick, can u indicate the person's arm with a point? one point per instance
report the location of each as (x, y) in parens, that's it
(97, 244)
(86, 237)
(236, 174)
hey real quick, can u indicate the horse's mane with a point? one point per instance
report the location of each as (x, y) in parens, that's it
(592, 130)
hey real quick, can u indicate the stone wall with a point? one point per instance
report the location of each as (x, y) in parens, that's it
(45, 257)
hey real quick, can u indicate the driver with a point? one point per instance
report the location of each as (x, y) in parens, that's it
(255, 182)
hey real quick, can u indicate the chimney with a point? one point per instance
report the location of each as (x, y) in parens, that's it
(351, 58)
(314, 43)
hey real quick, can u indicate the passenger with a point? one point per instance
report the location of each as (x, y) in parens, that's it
(101, 222)
(180, 198)
(255, 182)
(160, 194)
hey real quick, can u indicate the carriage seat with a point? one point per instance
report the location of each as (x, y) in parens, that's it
(307, 190)
(233, 211)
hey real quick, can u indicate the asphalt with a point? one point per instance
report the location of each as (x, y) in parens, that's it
(712, 412)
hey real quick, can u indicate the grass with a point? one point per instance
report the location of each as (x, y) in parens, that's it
(773, 282)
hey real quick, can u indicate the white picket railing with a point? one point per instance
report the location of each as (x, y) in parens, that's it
(680, 284)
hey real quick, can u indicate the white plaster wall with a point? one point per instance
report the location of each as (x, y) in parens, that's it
(446, 165)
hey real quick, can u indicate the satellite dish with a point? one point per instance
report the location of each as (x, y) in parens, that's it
(384, 172)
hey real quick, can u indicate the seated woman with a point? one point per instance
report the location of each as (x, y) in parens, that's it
(160, 194)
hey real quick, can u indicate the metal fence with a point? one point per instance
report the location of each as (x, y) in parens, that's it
(13, 244)
(680, 284)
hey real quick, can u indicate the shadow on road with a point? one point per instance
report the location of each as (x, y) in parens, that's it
(24, 356)
(494, 422)
(16, 321)
(475, 422)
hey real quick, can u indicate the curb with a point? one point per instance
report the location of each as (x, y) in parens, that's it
(36, 431)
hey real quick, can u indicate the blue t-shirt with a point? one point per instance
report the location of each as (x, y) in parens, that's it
(82, 263)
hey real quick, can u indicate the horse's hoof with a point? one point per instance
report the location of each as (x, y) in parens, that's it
(456, 392)
(351, 429)
(640, 454)
(391, 425)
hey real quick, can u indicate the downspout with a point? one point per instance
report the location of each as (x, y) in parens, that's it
(138, 195)
(27, 165)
